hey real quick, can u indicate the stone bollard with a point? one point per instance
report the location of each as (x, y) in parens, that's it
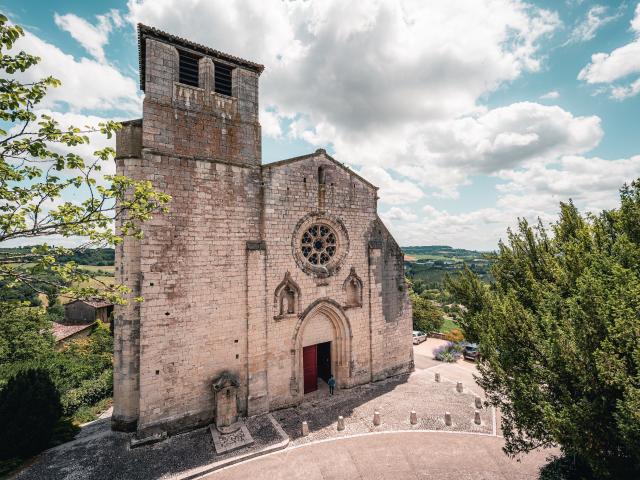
(437, 377)
(376, 418)
(305, 429)
(340, 423)
(447, 419)
(459, 387)
(413, 417)
(478, 403)
(476, 418)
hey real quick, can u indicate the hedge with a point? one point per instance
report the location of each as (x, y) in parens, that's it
(88, 393)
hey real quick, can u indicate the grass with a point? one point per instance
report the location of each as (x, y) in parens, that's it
(96, 281)
(96, 268)
(88, 414)
(448, 325)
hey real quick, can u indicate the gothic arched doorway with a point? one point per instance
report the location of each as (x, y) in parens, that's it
(323, 331)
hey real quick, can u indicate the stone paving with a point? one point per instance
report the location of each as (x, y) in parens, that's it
(417, 455)
(394, 398)
(99, 453)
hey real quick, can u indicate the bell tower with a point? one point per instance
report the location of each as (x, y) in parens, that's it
(199, 102)
(199, 141)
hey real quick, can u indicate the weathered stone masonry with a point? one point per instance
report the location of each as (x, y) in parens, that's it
(252, 264)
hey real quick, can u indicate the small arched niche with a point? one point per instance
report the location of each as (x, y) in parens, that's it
(352, 287)
(286, 298)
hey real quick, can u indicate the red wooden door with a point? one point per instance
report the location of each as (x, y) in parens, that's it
(310, 368)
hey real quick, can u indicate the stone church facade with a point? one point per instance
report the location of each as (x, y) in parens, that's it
(275, 275)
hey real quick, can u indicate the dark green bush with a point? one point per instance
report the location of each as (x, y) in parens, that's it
(29, 410)
(88, 393)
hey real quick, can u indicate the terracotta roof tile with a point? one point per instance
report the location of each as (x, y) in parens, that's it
(61, 331)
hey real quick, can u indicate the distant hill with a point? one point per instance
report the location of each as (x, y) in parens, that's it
(86, 256)
(441, 252)
(431, 263)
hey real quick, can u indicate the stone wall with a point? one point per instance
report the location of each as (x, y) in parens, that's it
(195, 286)
(211, 270)
(292, 192)
(195, 121)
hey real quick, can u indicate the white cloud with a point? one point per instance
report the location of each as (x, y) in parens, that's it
(531, 193)
(444, 154)
(392, 191)
(270, 123)
(596, 19)
(607, 68)
(552, 95)
(375, 79)
(622, 92)
(86, 84)
(92, 37)
(399, 214)
(592, 183)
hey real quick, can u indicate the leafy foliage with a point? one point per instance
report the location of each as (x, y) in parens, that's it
(455, 335)
(38, 183)
(29, 410)
(559, 336)
(25, 334)
(427, 317)
(88, 393)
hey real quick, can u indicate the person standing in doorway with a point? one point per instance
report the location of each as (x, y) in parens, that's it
(332, 384)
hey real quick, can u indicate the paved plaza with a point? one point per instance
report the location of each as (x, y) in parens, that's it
(392, 455)
(395, 448)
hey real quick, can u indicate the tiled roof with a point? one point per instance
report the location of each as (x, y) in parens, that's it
(61, 331)
(145, 31)
(94, 302)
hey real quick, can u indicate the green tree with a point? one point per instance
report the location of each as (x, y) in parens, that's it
(25, 334)
(29, 410)
(427, 317)
(559, 335)
(39, 184)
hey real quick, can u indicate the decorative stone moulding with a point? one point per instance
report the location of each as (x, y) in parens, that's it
(319, 244)
(287, 299)
(352, 287)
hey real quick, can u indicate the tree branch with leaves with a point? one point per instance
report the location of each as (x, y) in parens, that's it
(38, 184)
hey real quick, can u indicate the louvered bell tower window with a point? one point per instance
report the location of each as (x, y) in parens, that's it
(188, 68)
(223, 78)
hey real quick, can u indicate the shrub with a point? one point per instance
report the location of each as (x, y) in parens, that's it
(29, 410)
(560, 338)
(427, 317)
(451, 352)
(455, 335)
(25, 333)
(88, 393)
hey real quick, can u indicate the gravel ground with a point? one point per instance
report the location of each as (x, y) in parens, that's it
(99, 453)
(394, 398)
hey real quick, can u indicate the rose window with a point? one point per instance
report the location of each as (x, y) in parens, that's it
(318, 244)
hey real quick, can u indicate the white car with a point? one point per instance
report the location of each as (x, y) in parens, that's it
(418, 337)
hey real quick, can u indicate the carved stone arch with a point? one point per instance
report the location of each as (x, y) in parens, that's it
(352, 287)
(286, 299)
(341, 349)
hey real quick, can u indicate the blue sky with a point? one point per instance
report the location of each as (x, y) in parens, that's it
(466, 113)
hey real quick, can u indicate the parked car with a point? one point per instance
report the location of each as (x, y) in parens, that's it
(470, 351)
(418, 337)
